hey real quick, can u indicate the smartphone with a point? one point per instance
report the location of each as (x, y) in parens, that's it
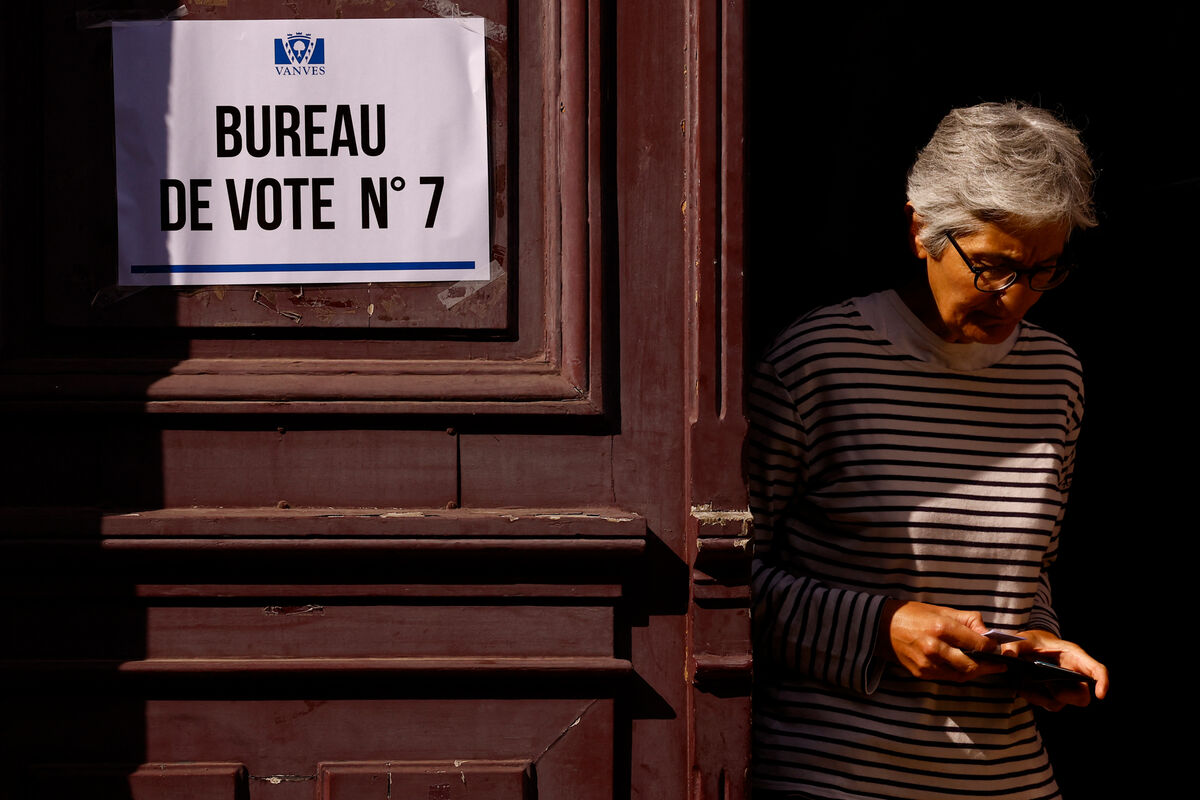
(1033, 668)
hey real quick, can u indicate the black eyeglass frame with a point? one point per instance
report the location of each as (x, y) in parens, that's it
(1062, 271)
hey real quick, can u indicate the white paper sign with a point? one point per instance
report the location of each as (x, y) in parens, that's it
(301, 151)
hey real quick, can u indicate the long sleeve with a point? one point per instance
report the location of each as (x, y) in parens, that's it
(1042, 615)
(886, 463)
(801, 623)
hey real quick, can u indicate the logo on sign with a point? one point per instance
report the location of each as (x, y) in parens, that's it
(300, 54)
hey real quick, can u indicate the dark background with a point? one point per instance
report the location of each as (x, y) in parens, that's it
(838, 108)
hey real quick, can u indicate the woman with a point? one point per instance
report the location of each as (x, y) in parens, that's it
(909, 458)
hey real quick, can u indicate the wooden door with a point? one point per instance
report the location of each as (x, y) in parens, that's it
(388, 541)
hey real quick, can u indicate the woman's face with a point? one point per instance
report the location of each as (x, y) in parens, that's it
(965, 314)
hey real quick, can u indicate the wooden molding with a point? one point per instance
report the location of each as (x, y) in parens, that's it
(546, 362)
(504, 533)
(439, 667)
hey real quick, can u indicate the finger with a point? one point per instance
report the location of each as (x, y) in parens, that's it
(1074, 694)
(962, 667)
(972, 620)
(1056, 695)
(1069, 694)
(1094, 670)
(967, 639)
(1038, 696)
(1075, 658)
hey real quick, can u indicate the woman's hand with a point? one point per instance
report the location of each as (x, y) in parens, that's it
(1055, 696)
(932, 641)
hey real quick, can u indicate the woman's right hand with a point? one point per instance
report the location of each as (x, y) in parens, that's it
(932, 642)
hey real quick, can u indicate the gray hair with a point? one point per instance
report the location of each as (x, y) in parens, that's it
(1011, 164)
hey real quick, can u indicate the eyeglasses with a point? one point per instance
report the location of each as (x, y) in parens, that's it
(997, 279)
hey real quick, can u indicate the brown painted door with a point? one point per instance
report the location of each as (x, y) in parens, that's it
(393, 540)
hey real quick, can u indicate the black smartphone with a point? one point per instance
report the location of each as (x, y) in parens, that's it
(1033, 668)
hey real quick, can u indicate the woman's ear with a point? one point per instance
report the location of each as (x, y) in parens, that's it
(914, 230)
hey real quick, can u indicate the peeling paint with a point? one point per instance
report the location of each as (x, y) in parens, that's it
(217, 291)
(269, 304)
(104, 18)
(275, 780)
(557, 517)
(740, 543)
(456, 293)
(451, 10)
(291, 611)
(583, 516)
(114, 294)
(705, 515)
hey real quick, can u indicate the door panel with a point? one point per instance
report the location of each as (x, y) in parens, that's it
(439, 540)
(307, 468)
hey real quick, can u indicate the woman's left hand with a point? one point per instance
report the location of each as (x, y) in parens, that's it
(1070, 656)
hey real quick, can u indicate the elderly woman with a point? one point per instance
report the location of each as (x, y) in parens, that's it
(909, 459)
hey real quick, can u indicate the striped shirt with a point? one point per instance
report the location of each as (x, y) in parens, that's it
(885, 462)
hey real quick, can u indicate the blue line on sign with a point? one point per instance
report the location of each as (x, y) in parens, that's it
(179, 269)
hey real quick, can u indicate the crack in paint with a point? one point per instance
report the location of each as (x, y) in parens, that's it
(275, 780)
(565, 731)
(557, 517)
